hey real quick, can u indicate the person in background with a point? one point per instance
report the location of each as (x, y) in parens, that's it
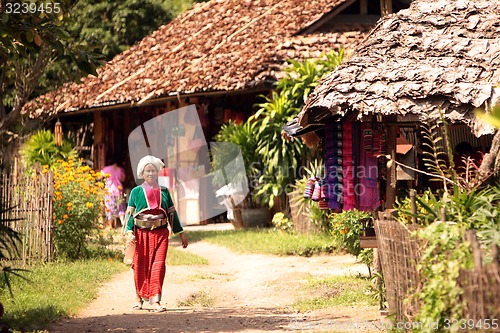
(465, 152)
(150, 215)
(114, 200)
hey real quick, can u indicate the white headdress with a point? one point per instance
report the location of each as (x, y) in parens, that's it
(148, 159)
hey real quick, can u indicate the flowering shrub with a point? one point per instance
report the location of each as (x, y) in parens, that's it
(78, 203)
(347, 229)
(281, 222)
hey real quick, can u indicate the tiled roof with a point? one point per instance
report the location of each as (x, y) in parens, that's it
(221, 45)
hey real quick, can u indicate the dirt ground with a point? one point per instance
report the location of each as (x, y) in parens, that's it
(233, 293)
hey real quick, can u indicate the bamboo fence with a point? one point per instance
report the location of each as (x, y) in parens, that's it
(302, 223)
(481, 285)
(27, 208)
(400, 254)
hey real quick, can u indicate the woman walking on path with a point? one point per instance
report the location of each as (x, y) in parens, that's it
(150, 216)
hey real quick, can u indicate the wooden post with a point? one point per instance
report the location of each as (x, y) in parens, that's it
(413, 206)
(390, 190)
(385, 7)
(363, 7)
(98, 140)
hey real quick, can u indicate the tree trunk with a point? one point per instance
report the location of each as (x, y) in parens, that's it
(491, 161)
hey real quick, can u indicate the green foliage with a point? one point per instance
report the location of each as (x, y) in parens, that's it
(280, 156)
(336, 291)
(177, 7)
(445, 254)
(183, 257)
(78, 203)
(314, 168)
(28, 42)
(493, 117)
(283, 223)
(366, 257)
(425, 214)
(462, 205)
(320, 217)
(242, 136)
(106, 28)
(302, 78)
(54, 291)
(202, 298)
(438, 161)
(242, 139)
(267, 241)
(10, 242)
(41, 148)
(346, 228)
(377, 289)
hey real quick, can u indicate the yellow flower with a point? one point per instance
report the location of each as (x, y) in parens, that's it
(65, 216)
(61, 221)
(70, 204)
(89, 204)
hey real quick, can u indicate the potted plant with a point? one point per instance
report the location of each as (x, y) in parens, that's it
(250, 212)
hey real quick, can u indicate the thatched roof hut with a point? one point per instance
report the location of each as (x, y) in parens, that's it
(436, 55)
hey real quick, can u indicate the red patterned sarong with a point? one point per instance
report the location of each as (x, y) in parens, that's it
(149, 263)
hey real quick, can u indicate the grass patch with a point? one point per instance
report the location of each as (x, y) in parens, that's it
(200, 276)
(200, 299)
(337, 291)
(267, 241)
(184, 257)
(54, 291)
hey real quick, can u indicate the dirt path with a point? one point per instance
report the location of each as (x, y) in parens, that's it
(244, 293)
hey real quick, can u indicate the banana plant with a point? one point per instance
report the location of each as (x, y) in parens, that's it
(281, 157)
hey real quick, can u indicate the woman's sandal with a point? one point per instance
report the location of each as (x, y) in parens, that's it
(158, 309)
(137, 306)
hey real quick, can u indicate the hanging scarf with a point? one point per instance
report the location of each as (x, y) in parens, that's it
(153, 195)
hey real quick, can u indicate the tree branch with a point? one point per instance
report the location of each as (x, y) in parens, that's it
(491, 160)
(27, 78)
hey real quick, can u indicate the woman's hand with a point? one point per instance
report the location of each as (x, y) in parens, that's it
(130, 239)
(183, 240)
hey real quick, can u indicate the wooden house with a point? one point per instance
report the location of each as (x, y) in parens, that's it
(220, 55)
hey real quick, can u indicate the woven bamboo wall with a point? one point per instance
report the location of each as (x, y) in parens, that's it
(399, 255)
(29, 197)
(481, 285)
(302, 223)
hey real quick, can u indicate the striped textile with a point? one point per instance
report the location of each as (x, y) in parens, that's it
(149, 263)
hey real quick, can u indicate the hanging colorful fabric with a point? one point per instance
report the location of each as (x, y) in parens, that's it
(323, 205)
(323, 192)
(308, 192)
(317, 191)
(368, 139)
